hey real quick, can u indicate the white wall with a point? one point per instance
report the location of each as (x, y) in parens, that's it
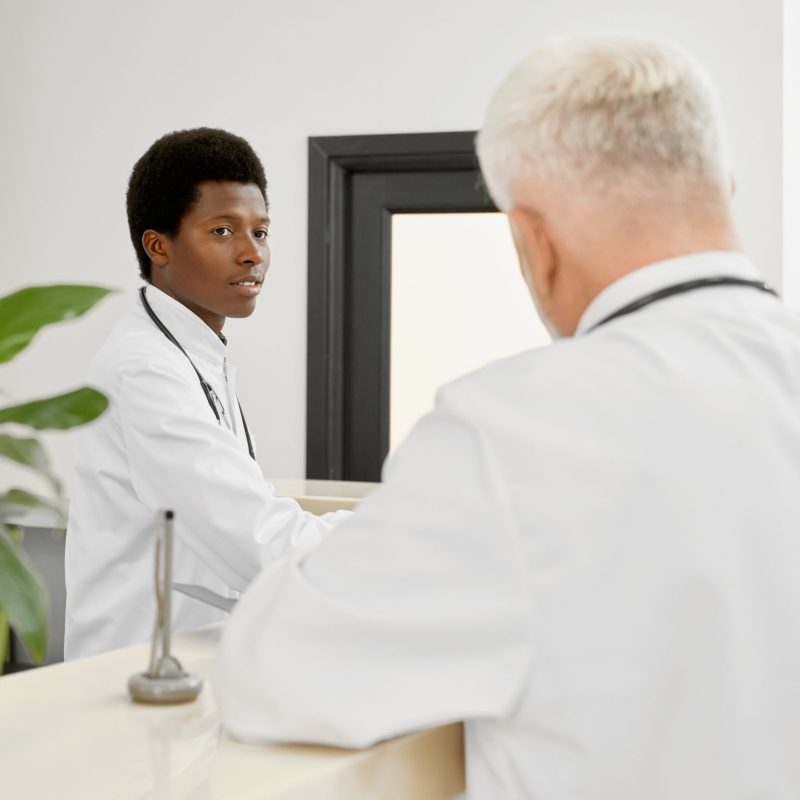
(791, 154)
(87, 85)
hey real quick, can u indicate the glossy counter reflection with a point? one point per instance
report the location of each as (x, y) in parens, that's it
(70, 731)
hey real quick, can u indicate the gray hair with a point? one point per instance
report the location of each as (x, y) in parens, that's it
(613, 113)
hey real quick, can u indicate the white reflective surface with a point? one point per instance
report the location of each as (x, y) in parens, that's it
(70, 731)
(458, 302)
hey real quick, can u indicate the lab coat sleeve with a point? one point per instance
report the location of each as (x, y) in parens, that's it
(411, 614)
(180, 458)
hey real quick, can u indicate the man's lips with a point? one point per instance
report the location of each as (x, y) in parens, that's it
(249, 286)
(249, 280)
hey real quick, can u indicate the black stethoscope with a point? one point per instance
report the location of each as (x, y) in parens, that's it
(682, 288)
(208, 389)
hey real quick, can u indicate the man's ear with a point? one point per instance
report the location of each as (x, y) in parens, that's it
(537, 259)
(155, 246)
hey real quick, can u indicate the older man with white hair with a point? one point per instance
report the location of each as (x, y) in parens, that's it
(589, 552)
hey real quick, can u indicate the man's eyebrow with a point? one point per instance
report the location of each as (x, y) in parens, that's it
(237, 218)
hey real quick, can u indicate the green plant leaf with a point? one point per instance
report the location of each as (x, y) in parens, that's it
(60, 412)
(30, 453)
(24, 313)
(23, 599)
(15, 501)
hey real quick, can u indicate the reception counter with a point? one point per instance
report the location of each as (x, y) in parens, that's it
(319, 496)
(316, 496)
(70, 731)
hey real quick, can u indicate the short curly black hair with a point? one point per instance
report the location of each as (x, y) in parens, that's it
(163, 184)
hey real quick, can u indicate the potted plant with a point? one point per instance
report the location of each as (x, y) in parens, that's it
(23, 604)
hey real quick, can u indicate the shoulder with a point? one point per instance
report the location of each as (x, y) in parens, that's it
(570, 379)
(136, 347)
(564, 361)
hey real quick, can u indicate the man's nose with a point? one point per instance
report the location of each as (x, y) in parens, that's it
(252, 251)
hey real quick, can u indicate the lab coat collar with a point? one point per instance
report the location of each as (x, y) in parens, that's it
(193, 334)
(659, 275)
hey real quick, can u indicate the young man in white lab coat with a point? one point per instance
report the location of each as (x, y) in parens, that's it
(175, 436)
(588, 552)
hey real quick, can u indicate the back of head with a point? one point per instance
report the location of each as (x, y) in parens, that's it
(606, 115)
(164, 182)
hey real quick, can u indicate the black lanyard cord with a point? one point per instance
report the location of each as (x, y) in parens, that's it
(208, 390)
(682, 288)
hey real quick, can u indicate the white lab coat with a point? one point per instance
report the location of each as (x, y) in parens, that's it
(589, 552)
(160, 446)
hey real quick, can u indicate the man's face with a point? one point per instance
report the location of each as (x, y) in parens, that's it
(216, 262)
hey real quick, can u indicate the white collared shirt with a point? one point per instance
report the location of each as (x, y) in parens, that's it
(589, 552)
(160, 446)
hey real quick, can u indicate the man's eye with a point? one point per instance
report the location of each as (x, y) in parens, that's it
(261, 234)
(223, 231)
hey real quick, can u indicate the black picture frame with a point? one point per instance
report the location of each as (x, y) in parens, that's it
(355, 184)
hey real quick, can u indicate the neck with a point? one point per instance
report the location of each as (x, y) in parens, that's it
(608, 263)
(596, 251)
(214, 321)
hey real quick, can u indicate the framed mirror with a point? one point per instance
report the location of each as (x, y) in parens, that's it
(412, 281)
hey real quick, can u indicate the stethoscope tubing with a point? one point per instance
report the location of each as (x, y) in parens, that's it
(208, 390)
(683, 288)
